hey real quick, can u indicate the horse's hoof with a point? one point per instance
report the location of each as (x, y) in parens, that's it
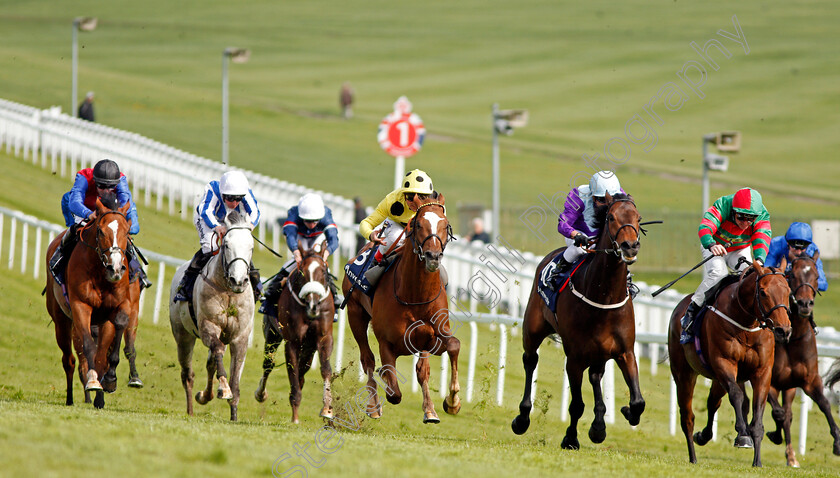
(376, 414)
(775, 437)
(93, 385)
(261, 397)
(135, 382)
(109, 386)
(451, 410)
(570, 443)
(431, 417)
(701, 440)
(793, 464)
(598, 434)
(224, 394)
(743, 442)
(632, 419)
(202, 398)
(99, 401)
(520, 424)
(836, 450)
(327, 413)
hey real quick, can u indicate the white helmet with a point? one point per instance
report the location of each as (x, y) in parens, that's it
(311, 207)
(234, 183)
(604, 182)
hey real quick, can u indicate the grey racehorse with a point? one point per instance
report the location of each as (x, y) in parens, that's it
(224, 308)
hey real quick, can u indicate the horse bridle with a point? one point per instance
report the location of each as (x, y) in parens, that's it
(763, 317)
(103, 255)
(614, 237)
(789, 276)
(224, 247)
(418, 248)
(324, 284)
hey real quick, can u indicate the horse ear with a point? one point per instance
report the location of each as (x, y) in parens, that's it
(816, 256)
(607, 197)
(783, 263)
(124, 209)
(441, 199)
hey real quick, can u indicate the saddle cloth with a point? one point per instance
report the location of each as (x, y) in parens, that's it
(551, 282)
(355, 271)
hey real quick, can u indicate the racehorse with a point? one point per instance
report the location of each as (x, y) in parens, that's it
(305, 312)
(795, 364)
(409, 313)
(223, 302)
(99, 303)
(595, 319)
(737, 342)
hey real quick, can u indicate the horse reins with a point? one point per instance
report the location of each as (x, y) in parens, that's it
(616, 250)
(418, 250)
(763, 318)
(99, 252)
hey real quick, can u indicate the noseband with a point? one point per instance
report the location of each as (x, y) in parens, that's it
(296, 294)
(103, 254)
(418, 248)
(614, 237)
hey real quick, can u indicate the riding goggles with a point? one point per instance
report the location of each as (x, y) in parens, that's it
(232, 198)
(745, 217)
(410, 196)
(798, 244)
(106, 187)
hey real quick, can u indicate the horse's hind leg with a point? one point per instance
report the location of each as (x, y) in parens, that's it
(104, 355)
(534, 331)
(760, 383)
(204, 396)
(109, 381)
(815, 391)
(359, 320)
(131, 353)
(598, 429)
(576, 407)
(272, 341)
(68, 361)
(452, 402)
(186, 343)
(627, 363)
(716, 393)
(294, 373)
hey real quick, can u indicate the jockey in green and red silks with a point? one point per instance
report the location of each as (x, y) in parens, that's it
(736, 226)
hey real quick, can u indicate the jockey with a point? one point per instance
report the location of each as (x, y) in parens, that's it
(735, 226)
(393, 214)
(309, 223)
(231, 192)
(78, 204)
(584, 213)
(798, 240)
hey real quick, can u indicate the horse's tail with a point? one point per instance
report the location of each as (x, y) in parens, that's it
(833, 375)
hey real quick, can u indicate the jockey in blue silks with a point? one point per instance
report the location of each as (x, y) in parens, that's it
(231, 192)
(798, 240)
(78, 204)
(309, 223)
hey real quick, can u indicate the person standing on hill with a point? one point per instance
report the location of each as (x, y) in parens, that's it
(86, 108)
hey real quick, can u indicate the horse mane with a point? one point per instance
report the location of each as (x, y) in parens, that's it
(235, 218)
(109, 200)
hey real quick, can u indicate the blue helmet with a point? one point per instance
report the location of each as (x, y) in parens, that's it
(799, 231)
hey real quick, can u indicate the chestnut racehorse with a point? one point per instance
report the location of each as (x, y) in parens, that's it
(409, 313)
(305, 313)
(99, 298)
(595, 319)
(737, 339)
(795, 364)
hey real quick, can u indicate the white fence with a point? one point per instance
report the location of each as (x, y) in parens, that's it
(651, 320)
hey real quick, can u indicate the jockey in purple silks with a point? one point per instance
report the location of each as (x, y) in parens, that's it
(583, 214)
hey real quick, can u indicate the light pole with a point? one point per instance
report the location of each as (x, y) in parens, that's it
(727, 141)
(503, 122)
(236, 55)
(85, 24)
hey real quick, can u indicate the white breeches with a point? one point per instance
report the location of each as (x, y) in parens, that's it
(572, 252)
(718, 268)
(393, 233)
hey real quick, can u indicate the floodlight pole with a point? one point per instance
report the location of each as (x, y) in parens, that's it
(238, 55)
(87, 24)
(706, 140)
(496, 221)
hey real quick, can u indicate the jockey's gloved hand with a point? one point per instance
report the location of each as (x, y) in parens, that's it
(581, 239)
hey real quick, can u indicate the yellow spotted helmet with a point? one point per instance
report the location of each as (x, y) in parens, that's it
(417, 181)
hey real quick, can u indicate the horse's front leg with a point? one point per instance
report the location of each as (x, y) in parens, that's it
(272, 341)
(778, 414)
(325, 346)
(106, 337)
(598, 429)
(761, 385)
(293, 371)
(452, 402)
(120, 322)
(85, 345)
(629, 369)
(422, 369)
(130, 351)
(574, 370)
(211, 336)
(787, 403)
(238, 349)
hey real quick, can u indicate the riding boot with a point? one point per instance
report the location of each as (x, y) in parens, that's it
(134, 268)
(632, 289)
(62, 253)
(272, 293)
(256, 283)
(687, 322)
(185, 288)
(563, 265)
(375, 272)
(444, 276)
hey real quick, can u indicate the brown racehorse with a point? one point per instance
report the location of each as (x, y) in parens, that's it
(99, 298)
(595, 320)
(409, 313)
(795, 364)
(737, 340)
(305, 313)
